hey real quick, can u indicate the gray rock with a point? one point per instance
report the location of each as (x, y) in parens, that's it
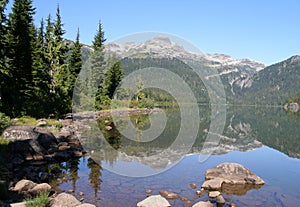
(39, 188)
(230, 173)
(214, 194)
(168, 194)
(213, 184)
(64, 200)
(154, 201)
(20, 132)
(203, 204)
(23, 186)
(41, 123)
(21, 204)
(220, 199)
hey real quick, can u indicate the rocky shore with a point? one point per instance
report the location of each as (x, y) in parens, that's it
(33, 148)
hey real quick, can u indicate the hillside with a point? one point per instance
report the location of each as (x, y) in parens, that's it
(273, 85)
(245, 81)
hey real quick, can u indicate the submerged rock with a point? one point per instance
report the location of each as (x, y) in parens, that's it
(154, 201)
(168, 194)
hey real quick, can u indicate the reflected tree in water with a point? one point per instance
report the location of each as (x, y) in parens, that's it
(73, 166)
(94, 176)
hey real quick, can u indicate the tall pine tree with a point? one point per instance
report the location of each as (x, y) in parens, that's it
(113, 78)
(20, 40)
(97, 69)
(4, 73)
(99, 38)
(40, 77)
(56, 58)
(75, 64)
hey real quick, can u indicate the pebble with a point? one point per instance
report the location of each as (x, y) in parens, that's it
(184, 199)
(80, 193)
(199, 193)
(70, 191)
(188, 202)
(81, 199)
(214, 194)
(148, 191)
(168, 195)
(108, 128)
(232, 205)
(193, 185)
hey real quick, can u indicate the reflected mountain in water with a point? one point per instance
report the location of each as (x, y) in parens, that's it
(246, 128)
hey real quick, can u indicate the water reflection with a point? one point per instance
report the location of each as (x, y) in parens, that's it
(246, 132)
(246, 128)
(94, 176)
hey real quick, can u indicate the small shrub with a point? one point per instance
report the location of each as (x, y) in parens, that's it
(4, 122)
(40, 201)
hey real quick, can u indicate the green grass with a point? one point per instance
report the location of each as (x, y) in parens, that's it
(39, 201)
(53, 125)
(26, 120)
(4, 141)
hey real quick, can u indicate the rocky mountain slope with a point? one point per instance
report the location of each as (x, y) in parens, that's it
(245, 81)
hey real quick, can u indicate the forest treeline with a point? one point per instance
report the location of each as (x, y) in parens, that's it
(39, 68)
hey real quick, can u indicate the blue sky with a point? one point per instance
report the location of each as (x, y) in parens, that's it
(264, 30)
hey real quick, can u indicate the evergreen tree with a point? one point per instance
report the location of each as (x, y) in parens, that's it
(4, 73)
(20, 39)
(99, 38)
(98, 65)
(41, 77)
(113, 78)
(75, 64)
(56, 58)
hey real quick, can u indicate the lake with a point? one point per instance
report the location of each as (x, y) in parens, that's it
(266, 140)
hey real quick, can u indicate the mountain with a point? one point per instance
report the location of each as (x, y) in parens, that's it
(163, 47)
(234, 73)
(273, 85)
(245, 81)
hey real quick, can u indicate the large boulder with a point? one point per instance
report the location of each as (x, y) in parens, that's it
(22, 132)
(232, 174)
(23, 186)
(29, 142)
(40, 188)
(154, 201)
(29, 187)
(64, 200)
